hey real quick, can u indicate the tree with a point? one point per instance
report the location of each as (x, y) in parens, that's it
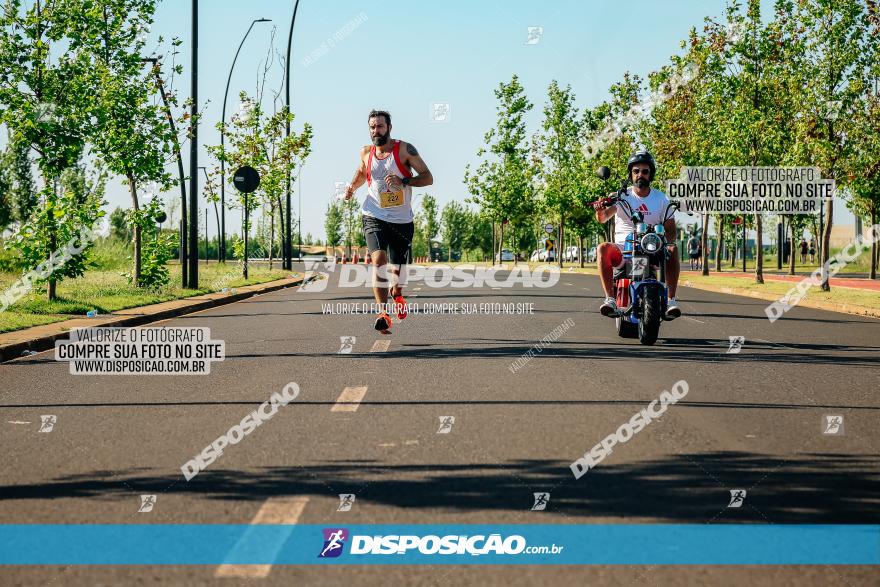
(256, 139)
(333, 225)
(478, 234)
(350, 217)
(502, 183)
(119, 225)
(561, 161)
(22, 192)
(833, 69)
(6, 204)
(863, 168)
(455, 223)
(47, 90)
(429, 212)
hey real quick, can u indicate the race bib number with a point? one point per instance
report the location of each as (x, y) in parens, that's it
(390, 199)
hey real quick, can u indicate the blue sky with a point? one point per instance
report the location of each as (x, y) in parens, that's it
(406, 56)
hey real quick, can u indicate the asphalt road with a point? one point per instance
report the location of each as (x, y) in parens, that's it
(751, 420)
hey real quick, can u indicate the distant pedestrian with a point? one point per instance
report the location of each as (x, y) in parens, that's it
(699, 255)
(812, 251)
(804, 250)
(693, 246)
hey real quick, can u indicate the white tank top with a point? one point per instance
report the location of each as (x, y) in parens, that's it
(381, 202)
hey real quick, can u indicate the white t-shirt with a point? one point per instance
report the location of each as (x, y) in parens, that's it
(652, 207)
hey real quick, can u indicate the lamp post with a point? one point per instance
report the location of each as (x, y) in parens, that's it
(299, 215)
(288, 249)
(193, 261)
(223, 144)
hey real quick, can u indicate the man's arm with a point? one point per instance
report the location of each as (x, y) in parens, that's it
(424, 177)
(604, 214)
(360, 177)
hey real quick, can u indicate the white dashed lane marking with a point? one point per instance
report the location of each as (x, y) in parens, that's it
(380, 346)
(350, 399)
(275, 510)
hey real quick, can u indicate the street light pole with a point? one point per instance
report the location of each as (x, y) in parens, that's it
(299, 214)
(288, 249)
(194, 155)
(223, 144)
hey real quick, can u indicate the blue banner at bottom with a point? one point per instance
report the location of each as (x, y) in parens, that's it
(590, 544)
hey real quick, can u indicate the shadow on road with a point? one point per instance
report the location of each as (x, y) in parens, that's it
(694, 488)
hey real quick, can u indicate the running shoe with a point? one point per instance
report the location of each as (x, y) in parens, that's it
(672, 309)
(609, 308)
(401, 307)
(383, 323)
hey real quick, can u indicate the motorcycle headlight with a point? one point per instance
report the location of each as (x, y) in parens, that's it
(641, 228)
(651, 242)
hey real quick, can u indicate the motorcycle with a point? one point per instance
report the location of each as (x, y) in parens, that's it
(640, 285)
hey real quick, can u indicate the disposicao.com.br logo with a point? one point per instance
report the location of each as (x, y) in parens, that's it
(334, 541)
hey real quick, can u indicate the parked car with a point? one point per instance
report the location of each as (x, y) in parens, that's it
(547, 256)
(571, 254)
(536, 256)
(506, 255)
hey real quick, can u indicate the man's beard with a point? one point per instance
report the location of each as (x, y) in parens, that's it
(380, 140)
(642, 183)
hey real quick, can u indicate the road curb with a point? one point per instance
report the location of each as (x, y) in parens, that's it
(42, 338)
(805, 303)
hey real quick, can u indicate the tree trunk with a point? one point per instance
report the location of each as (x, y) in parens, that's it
(271, 233)
(704, 242)
(493, 243)
(873, 242)
(182, 246)
(219, 240)
(826, 244)
(500, 244)
(581, 249)
(791, 256)
(51, 288)
(759, 249)
(719, 221)
(132, 186)
(561, 250)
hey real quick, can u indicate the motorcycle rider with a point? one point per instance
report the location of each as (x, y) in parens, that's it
(652, 203)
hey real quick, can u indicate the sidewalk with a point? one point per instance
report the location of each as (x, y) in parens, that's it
(41, 338)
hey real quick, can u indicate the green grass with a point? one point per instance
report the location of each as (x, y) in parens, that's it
(837, 295)
(107, 290)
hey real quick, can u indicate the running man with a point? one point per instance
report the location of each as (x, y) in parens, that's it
(387, 168)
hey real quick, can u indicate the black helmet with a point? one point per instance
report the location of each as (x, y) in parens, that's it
(641, 157)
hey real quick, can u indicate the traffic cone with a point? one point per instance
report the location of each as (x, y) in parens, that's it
(355, 260)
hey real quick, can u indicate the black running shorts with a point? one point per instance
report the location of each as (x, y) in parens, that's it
(389, 236)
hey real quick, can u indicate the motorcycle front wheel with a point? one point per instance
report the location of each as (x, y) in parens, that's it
(652, 315)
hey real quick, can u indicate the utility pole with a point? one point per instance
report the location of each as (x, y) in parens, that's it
(288, 234)
(194, 155)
